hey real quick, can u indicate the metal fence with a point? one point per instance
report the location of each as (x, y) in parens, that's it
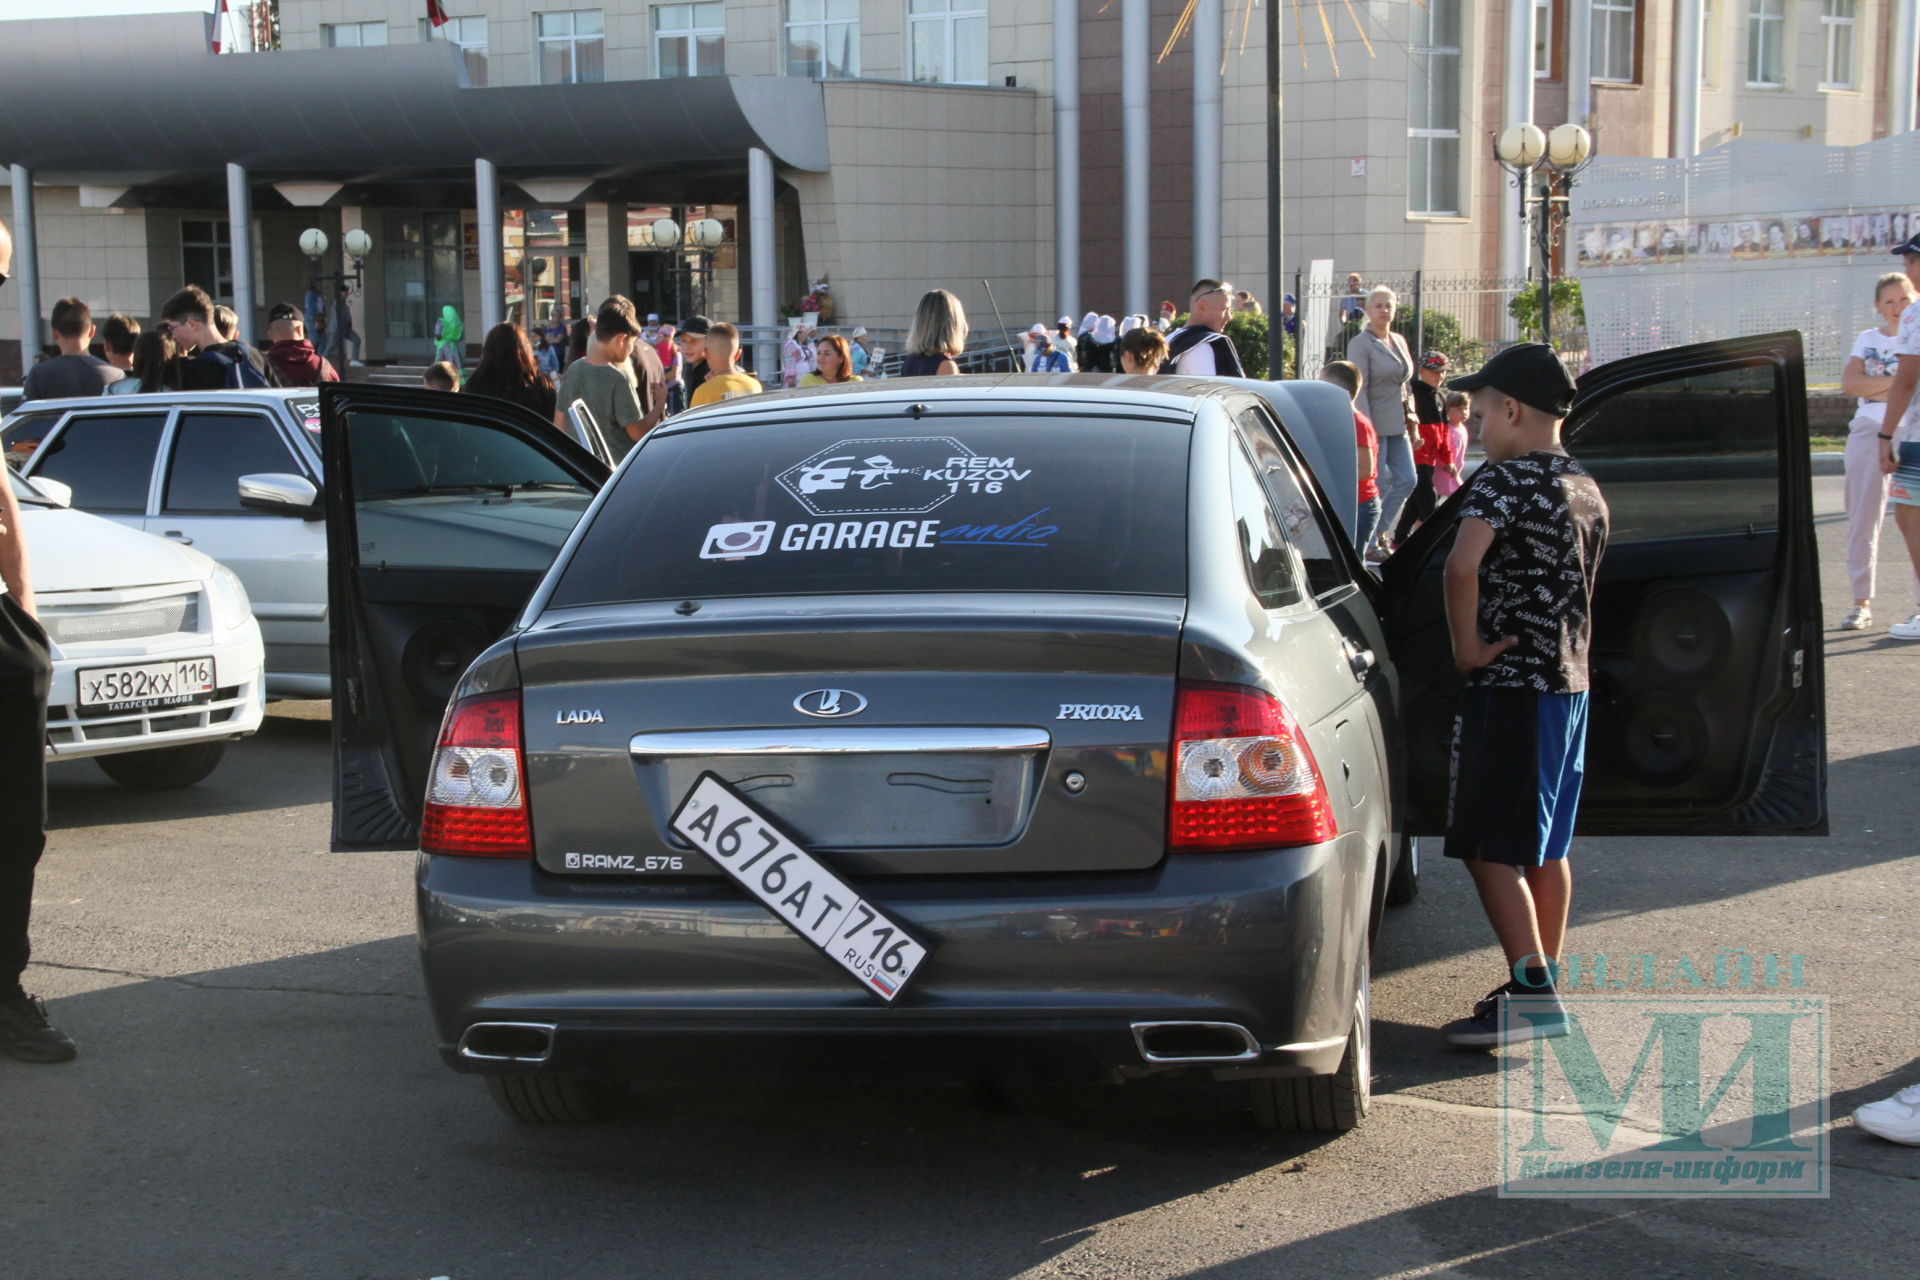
(1466, 316)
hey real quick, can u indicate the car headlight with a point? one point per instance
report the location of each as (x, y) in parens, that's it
(230, 602)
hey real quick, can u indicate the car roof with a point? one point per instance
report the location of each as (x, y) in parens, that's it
(257, 396)
(1173, 397)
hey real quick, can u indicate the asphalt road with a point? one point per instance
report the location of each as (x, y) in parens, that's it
(258, 1093)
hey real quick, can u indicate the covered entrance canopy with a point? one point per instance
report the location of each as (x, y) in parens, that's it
(136, 109)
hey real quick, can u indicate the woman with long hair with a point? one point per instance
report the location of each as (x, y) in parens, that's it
(156, 365)
(508, 371)
(833, 360)
(578, 337)
(938, 336)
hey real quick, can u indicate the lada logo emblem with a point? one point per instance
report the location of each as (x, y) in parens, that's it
(830, 704)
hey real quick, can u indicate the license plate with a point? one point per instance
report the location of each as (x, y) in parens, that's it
(179, 683)
(752, 848)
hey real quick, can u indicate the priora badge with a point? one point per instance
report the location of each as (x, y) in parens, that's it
(830, 704)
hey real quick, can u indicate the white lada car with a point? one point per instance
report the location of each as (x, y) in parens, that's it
(157, 660)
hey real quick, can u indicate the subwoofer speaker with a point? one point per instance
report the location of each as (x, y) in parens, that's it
(1682, 632)
(437, 654)
(1659, 738)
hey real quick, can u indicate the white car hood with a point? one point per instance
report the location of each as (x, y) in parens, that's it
(73, 551)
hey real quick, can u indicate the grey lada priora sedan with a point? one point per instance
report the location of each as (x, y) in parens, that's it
(1068, 694)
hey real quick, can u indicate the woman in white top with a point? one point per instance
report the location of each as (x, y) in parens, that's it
(1868, 373)
(1386, 397)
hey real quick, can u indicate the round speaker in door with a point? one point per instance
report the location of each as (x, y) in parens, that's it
(437, 654)
(1659, 739)
(1681, 632)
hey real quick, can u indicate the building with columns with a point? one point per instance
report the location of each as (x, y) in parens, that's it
(517, 159)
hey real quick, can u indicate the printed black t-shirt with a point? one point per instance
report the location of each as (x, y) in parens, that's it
(1536, 580)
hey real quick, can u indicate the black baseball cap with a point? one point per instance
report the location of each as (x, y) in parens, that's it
(1911, 246)
(1529, 372)
(696, 325)
(281, 311)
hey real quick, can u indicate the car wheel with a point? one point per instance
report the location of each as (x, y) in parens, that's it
(163, 768)
(1404, 887)
(1326, 1104)
(547, 1097)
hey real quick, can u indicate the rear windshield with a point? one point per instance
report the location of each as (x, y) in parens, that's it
(957, 504)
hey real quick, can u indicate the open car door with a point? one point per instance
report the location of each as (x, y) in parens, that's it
(443, 513)
(1707, 713)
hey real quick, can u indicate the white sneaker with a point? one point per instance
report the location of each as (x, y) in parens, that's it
(1858, 620)
(1908, 630)
(1897, 1119)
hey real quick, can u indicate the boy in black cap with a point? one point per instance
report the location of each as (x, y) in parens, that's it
(1519, 592)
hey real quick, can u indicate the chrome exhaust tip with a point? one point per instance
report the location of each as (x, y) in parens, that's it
(1181, 1042)
(527, 1043)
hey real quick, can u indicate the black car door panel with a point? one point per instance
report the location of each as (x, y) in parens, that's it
(1707, 705)
(443, 513)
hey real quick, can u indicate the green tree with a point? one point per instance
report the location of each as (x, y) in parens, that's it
(1441, 331)
(1568, 306)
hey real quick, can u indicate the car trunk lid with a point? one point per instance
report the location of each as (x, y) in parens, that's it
(935, 734)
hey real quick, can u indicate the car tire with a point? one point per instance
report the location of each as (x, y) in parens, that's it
(1326, 1104)
(547, 1097)
(163, 768)
(1404, 887)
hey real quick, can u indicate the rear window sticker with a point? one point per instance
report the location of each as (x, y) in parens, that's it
(1027, 531)
(737, 541)
(894, 475)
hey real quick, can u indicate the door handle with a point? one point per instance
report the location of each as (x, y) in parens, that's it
(1359, 661)
(175, 535)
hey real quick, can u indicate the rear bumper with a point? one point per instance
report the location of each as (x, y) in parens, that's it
(662, 979)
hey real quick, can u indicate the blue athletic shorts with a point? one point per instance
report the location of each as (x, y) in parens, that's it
(1905, 488)
(1518, 761)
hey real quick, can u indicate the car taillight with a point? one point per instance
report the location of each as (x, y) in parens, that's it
(1243, 775)
(476, 796)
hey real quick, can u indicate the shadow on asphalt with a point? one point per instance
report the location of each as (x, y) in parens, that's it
(286, 764)
(311, 1083)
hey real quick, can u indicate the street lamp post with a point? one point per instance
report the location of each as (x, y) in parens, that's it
(1522, 149)
(704, 235)
(357, 243)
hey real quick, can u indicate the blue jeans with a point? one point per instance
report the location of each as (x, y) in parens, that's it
(340, 340)
(1397, 477)
(1369, 521)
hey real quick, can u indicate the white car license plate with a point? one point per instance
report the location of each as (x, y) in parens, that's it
(764, 860)
(179, 683)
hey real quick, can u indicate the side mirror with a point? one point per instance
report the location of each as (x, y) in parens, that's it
(58, 492)
(279, 494)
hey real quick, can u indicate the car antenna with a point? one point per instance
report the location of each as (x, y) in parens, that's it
(1013, 352)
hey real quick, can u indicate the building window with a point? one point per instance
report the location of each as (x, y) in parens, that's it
(690, 39)
(1543, 39)
(206, 257)
(1766, 42)
(949, 41)
(1433, 111)
(469, 35)
(1613, 22)
(1836, 22)
(354, 35)
(573, 46)
(823, 38)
